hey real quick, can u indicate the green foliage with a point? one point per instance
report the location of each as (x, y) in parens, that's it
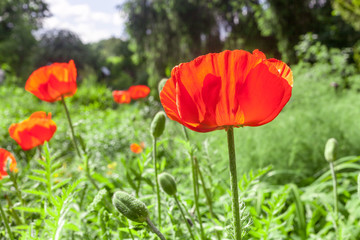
(349, 11)
(18, 19)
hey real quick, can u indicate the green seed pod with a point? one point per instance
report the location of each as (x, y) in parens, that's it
(130, 207)
(162, 84)
(167, 183)
(158, 124)
(330, 150)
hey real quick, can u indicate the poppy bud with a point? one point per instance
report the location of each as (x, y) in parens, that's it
(330, 150)
(158, 124)
(130, 207)
(167, 183)
(161, 84)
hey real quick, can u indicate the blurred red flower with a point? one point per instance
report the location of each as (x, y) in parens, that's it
(136, 148)
(4, 157)
(121, 96)
(33, 131)
(139, 91)
(231, 88)
(51, 83)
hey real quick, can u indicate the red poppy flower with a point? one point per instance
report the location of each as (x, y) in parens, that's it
(52, 82)
(231, 88)
(4, 157)
(136, 148)
(139, 91)
(33, 131)
(121, 96)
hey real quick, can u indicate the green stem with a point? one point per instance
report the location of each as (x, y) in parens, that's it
(6, 223)
(71, 126)
(183, 215)
(18, 192)
(207, 194)
(195, 185)
(234, 184)
(88, 174)
(334, 180)
(157, 182)
(155, 230)
(196, 194)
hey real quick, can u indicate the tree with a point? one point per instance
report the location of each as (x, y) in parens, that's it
(349, 11)
(61, 46)
(19, 18)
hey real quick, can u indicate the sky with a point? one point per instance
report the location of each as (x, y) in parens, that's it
(92, 20)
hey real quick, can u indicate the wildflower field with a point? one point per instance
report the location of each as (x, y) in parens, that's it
(216, 144)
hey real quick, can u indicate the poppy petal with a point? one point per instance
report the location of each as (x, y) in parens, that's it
(261, 95)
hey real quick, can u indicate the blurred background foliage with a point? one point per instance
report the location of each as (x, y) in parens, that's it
(163, 33)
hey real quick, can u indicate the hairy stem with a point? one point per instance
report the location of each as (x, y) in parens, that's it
(334, 181)
(6, 222)
(71, 127)
(155, 230)
(157, 182)
(183, 215)
(234, 184)
(195, 185)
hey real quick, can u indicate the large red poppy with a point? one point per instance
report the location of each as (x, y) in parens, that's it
(33, 131)
(139, 91)
(121, 96)
(231, 88)
(51, 83)
(4, 157)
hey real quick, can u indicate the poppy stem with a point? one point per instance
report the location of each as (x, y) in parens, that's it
(157, 182)
(155, 230)
(13, 178)
(71, 126)
(334, 180)
(183, 215)
(6, 223)
(234, 184)
(195, 183)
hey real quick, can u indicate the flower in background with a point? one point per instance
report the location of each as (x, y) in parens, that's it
(33, 131)
(136, 148)
(139, 91)
(51, 83)
(4, 157)
(121, 96)
(231, 88)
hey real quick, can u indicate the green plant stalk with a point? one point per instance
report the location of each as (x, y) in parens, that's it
(71, 126)
(207, 194)
(234, 183)
(12, 211)
(183, 215)
(88, 174)
(127, 223)
(155, 230)
(195, 185)
(334, 181)
(18, 192)
(196, 195)
(157, 182)
(8, 229)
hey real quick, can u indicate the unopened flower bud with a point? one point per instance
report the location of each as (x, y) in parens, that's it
(162, 84)
(330, 150)
(167, 183)
(158, 124)
(130, 207)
